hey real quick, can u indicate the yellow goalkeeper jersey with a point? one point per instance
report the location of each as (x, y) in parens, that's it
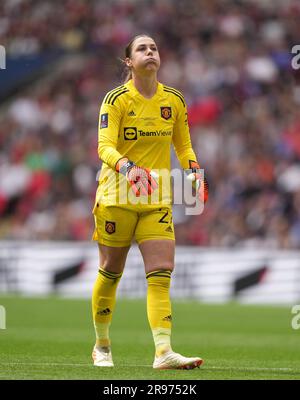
(142, 130)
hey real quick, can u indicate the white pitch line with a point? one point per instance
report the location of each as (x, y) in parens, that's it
(250, 369)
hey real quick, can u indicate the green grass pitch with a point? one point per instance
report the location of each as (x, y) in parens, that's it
(52, 338)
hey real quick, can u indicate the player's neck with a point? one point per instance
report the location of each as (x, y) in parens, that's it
(146, 85)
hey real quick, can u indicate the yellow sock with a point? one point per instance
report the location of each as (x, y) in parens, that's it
(159, 309)
(103, 303)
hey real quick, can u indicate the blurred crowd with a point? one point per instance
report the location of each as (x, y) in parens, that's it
(231, 60)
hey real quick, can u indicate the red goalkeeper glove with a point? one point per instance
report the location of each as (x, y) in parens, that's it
(141, 180)
(194, 175)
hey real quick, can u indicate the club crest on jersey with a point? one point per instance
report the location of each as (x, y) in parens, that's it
(130, 133)
(104, 120)
(110, 227)
(166, 112)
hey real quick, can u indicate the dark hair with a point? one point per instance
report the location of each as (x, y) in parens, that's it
(128, 50)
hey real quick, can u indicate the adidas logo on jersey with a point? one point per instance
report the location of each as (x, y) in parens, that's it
(168, 318)
(169, 229)
(132, 113)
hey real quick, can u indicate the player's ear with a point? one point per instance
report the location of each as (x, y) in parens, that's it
(128, 62)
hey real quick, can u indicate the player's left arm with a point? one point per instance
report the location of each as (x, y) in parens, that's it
(184, 150)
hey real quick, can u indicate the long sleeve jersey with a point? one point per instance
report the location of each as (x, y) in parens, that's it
(142, 130)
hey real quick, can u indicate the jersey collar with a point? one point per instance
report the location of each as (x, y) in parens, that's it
(135, 92)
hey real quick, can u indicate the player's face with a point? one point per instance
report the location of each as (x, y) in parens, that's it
(144, 55)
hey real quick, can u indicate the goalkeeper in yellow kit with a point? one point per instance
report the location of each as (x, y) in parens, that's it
(138, 123)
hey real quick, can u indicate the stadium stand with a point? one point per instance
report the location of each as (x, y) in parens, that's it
(231, 60)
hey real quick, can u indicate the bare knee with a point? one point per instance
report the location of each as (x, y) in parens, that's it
(159, 267)
(113, 266)
(158, 255)
(113, 259)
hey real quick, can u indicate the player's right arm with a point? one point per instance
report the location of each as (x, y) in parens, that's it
(108, 132)
(140, 179)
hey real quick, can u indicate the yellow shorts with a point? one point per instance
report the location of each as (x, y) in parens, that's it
(117, 226)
